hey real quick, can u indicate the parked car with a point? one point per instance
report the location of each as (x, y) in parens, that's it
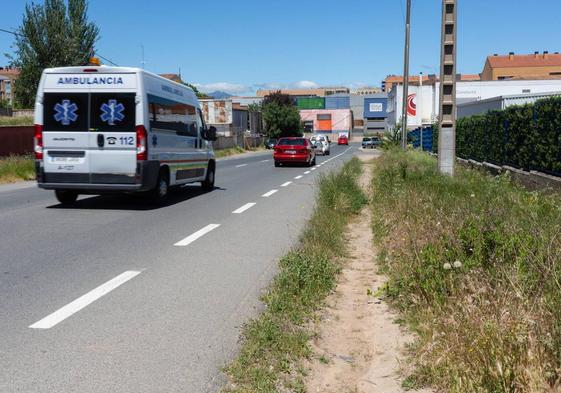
(343, 140)
(322, 144)
(376, 141)
(270, 143)
(294, 149)
(367, 143)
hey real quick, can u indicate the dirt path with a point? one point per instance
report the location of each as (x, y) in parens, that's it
(359, 345)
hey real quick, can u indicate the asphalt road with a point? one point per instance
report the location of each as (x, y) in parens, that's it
(112, 295)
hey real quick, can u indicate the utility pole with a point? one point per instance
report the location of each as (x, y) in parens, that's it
(405, 77)
(447, 129)
(420, 106)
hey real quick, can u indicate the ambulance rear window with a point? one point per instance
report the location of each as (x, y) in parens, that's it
(65, 112)
(112, 112)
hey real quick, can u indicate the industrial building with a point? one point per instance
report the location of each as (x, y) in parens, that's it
(332, 122)
(500, 103)
(422, 101)
(532, 66)
(296, 93)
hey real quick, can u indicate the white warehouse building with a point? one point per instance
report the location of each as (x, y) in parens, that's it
(423, 102)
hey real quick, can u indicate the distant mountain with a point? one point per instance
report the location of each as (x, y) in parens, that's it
(219, 95)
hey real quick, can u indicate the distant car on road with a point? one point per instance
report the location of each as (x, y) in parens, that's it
(322, 144)
(367, 143)
(294, 149)
(270, 143)
(376, 141)
(343, 140)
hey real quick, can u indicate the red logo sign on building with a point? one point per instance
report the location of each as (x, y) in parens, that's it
(412, 104)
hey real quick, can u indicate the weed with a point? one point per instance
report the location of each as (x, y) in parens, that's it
(279, 337)
(16, 121)
(14, 168)
(474, 263)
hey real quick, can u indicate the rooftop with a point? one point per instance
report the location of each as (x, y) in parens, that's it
(536, 59)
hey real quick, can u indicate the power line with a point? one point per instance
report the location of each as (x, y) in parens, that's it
(11, 32)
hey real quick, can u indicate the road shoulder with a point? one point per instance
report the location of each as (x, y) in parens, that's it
(359, 345)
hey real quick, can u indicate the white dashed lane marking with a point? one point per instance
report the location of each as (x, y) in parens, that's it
(73, 307)
(244, 208)
(194, 236)
(268, 194)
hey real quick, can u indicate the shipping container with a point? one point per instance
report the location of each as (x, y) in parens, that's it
(337, 102)
(310, 103)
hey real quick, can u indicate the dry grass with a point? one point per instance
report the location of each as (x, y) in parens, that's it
(16, 168)
(279, 336)
(475, 266)
(16, 121)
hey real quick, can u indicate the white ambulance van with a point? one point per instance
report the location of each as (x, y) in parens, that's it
(113, 129)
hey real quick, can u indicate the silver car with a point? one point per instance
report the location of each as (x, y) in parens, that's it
(322, 144)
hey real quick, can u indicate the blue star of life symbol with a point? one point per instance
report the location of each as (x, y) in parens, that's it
(112, 111)
(66, 112)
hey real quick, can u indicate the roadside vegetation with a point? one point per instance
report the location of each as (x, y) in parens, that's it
(16, 121)
(16, 168)
(232, 151)
(278, 338)
(474, 265)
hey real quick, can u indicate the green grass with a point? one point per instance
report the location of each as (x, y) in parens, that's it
(279, 337)
(231, 151)
(474, 263)
(16, 121)
(15, 168)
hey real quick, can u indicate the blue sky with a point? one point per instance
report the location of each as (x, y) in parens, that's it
(239, 46)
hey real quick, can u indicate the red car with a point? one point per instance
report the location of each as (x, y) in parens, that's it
(343, 140)
(294, 149)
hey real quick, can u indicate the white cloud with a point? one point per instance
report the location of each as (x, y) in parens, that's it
(305, 85)
(230, 88)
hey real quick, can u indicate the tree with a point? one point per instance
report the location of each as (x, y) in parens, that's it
(281, 116)
(198, 93)
(51, 35)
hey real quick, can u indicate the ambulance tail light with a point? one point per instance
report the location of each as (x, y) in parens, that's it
(141, 143)
(38, 142)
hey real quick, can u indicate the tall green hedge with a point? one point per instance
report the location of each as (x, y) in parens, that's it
(527, 136)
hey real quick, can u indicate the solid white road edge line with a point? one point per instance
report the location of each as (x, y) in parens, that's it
(268, 194)
(244, 208)
(239, 166)
(299, 177)
(194, 236)
(286, 184)
(71, 308)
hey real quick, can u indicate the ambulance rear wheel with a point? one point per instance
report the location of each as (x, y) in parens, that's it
(160, 193)
(66, 197)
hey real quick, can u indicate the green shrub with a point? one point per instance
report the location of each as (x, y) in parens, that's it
(527, 136)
